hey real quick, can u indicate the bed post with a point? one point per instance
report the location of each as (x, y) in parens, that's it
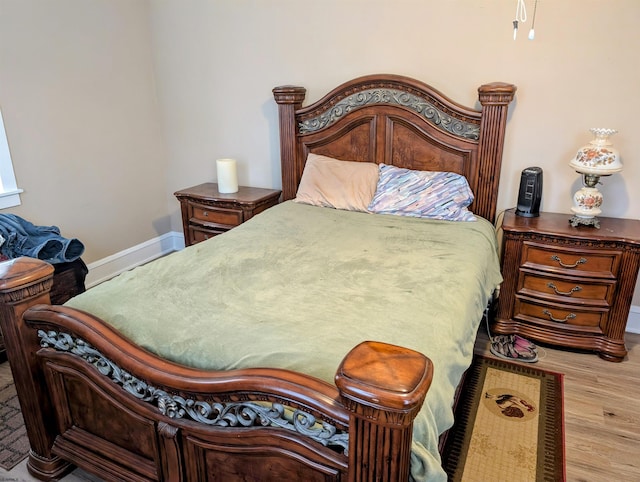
(383, 386)
(289, 99)
(495, 98)
(25, 282)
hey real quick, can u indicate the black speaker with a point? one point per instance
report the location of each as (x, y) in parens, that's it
(530, 192)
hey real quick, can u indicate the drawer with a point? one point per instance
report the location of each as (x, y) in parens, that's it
(592, 262)
(209, 215)
(557, 315)
(198, 234)
(565, 289)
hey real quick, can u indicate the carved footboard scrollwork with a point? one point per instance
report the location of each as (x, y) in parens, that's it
(91, 398)
(221, 414)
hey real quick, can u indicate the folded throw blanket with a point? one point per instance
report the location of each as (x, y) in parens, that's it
(23, 238)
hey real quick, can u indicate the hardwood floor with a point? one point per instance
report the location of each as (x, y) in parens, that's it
(602, 414)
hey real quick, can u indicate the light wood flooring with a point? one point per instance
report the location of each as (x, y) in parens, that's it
(602, 414)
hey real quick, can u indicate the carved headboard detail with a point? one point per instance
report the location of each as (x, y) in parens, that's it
(399, 121)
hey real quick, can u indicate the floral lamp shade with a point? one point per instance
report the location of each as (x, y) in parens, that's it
(599, 156)
(596, 159)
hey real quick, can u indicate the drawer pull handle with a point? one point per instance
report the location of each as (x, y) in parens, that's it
(570, 316)
(206, 213)
(579, 262)
(564, 293)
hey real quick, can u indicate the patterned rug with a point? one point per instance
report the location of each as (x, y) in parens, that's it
(14, 444)
(509, 425)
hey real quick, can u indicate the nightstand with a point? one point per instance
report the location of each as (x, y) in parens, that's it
(206, 212)
(568, 286)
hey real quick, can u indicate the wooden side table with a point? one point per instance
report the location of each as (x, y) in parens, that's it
(206, 212)
(568, 286)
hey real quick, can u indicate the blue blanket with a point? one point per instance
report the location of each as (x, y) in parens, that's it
(22, 238)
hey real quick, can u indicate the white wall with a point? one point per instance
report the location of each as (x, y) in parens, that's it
(112, 105)
(78, 98)
(217, 61)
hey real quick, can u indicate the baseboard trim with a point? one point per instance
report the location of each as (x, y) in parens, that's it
(633, 324)
(115, 264)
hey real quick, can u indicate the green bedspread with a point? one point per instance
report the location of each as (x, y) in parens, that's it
(298, 286)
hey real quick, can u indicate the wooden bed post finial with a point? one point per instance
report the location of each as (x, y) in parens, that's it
(289, 99)
(498, 93)
(384, 387)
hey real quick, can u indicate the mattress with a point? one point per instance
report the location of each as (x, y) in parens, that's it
(298, 286)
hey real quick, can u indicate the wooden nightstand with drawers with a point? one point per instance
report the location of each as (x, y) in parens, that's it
(206, 212)
(568, 286)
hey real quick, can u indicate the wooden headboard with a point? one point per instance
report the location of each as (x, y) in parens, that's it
(399, 121)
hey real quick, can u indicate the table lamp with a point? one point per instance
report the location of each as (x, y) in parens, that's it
(597, 159)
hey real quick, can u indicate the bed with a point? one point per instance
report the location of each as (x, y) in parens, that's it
(236, 359)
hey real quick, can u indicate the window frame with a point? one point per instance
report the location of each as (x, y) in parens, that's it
(9, 190)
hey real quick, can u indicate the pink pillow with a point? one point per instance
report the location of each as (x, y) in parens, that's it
(333, 183)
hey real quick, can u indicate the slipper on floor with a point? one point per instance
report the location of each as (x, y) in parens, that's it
(515, 340)
(504, 347)
(524, 343)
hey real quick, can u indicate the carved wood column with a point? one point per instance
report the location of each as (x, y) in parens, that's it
(171, 459)
(384, 387)
(25, 282)
(495, 99)
(289, 99)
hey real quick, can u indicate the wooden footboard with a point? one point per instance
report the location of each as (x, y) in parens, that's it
(90, 398)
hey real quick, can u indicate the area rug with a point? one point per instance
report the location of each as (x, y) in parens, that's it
(14, 444)
(509, 425)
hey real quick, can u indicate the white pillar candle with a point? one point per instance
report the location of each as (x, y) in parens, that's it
(227, 175)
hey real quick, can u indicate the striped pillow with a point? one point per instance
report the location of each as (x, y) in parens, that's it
(423, 194)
